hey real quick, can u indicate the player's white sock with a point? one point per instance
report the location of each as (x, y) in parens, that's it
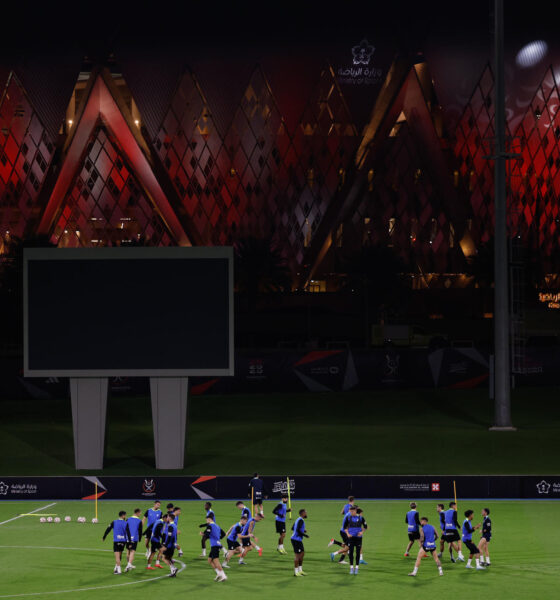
(487, 559)
(296, 569)
(361, 557)
(356, 568)
(300, 569)
(157, 562)
(117, 568)
(440, 569)
(129, 564)
(477, 562)
(204, 552)
(460, 555)
(257, 548)
(415, 570)
(469, 562)
(217, 571)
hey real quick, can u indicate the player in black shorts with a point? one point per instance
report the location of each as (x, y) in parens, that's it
(233, 544)
(257, 485)
(468, 530)
(209, 514)
(297, 542)
(119, 538)
(168, 544)
(156, 540)
(485, 538)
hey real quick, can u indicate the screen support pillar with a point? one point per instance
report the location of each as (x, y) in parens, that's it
(169, 414)
(89, 411)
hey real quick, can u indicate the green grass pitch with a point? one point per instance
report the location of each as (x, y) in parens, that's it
(55, 560)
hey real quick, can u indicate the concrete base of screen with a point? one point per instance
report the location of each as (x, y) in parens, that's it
(169, 414)
(89, 411)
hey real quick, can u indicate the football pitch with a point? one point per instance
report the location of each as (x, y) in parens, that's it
(69, 560)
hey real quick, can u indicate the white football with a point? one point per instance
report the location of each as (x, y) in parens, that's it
(67, 519)
(94, 520)
(42, 520)
(82, 519)
(57, 519)
(49, 519)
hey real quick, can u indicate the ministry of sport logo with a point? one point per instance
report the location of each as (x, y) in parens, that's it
(543, 487)
(360, 72)
(4, 488)
(362, 53)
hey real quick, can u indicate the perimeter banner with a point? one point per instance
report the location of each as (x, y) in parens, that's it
(210, 487)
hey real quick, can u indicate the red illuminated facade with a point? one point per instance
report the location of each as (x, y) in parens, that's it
(319, 186)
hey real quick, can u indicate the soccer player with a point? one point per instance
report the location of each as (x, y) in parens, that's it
(428, 537)
(215, 533)
(343, 551)
(156, 541)
(360, 512)
(169, 543)
(150, 517)
(468, 530)
(245, 512)
(485, 538)
(248, 538)
(452, 533)
(347, 506)
(354, 528)
(280, 511)
(209, 514)
(119, 539)
(413, 523)
(441, 511)
(257, 485)
(297, 542)
(234, 547)
(134, 535)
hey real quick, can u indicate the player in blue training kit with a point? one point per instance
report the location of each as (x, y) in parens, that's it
(441, 512)
(134, 534)
(428, 537)
(468, 530)
(150, 517)
(215, 534)
(485, 538)
(169, 543)
(299, 532)
(257, 485)
(344, 544)
(232, 539)
(354, 528)
(452, 532)
(209, 513)
(177, 513)
(412, 521)
(119, 539)
(280, 511)
(248, 538)
(159, 530)
(245, 511)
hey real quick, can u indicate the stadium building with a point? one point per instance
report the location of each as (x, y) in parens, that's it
(322, 154)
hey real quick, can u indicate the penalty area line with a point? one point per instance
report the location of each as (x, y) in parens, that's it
(30, 513)
(86, 589)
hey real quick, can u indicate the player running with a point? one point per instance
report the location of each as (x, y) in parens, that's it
(150, 517)
(134, 535)
(119, 539)
(209, 514)
(248, 538)
(233, 545)
(156, 541)
(169, 543)
(360, 512)
(177, 513)
(245, 512)
(215, 533)
(452, 532)
(428, 537)
(257, 485)
(297, 542)
(354, 528)
(468, 530)
(485, 538)
(412, 521)
(280, 511)
(343, 551)
(441, 512)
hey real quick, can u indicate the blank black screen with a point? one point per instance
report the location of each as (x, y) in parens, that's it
(128, 314)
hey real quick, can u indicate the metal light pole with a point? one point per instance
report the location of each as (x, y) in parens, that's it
(502, 371)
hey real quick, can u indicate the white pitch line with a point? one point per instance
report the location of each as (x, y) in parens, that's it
(88, 589)
(33, 511)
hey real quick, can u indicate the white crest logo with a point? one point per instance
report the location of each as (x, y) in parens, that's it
(362, 53)
(543, 487)
(4, 488)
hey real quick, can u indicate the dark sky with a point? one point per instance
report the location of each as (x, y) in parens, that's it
(89, 27)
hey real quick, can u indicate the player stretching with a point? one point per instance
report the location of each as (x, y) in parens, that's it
(344, 544)
(209, 515)
(150, 517)
(485, 538)
(441, 511)
(354, 528)
(247, 536)
(177, 513)
(452, 533)
(134, 535)
(215, 533)
(413, 522)
(119, 539)
(169, 543)
(257, 485)
(428, 537)
(280, 511)
(468, 530)
(297, 543)
(155, 540)
(234, 547)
